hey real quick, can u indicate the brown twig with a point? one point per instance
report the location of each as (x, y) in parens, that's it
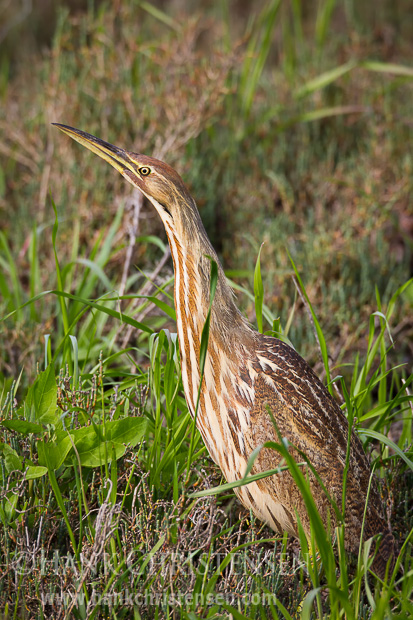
(146, 289)
(136, 202)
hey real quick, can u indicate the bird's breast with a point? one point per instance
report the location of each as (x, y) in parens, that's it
(225, 420)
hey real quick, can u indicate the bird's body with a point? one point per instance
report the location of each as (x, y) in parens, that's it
(248, 375)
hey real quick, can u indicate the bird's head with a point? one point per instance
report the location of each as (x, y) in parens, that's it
(160, 183)
(189, 242)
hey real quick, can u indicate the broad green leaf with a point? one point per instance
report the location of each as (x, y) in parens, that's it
(52, 454)
(12, 462)
(35, 471)
(7, 508)
(23, 427)
(93, 452)
(45, 397)
(11, 459)
(127, 430)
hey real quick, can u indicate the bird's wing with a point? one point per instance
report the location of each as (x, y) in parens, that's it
(306, 414)
(303, 409)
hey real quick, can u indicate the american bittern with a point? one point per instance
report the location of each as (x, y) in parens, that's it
(247, 374)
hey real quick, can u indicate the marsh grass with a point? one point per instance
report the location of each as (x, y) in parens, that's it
(99, 500)
(110, 506)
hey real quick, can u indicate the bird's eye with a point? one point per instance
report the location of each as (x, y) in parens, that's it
(144, 171)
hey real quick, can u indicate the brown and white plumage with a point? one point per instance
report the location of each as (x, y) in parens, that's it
(246, 374)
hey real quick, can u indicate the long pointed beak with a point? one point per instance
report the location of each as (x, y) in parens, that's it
(114, 155)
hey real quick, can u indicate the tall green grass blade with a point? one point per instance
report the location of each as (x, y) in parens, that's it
(318, 114)
(74, 342)
(91, 304)
(284, 610)
(59, 499)
(324, 79)
(228, 486)
(350, 419)
(257, 53)
(203, 349)
(101, 253)
(319, 331)
(324, 15)
(392, 303)
(235, 614)
(15, 291)
(4, 287)
(152, 239)
(161, 16)
(97, 271)
(60, 286)
(298, 20)
(169, 310)
(258, 291)
(308, 603)
(375, 344)
(388, 442)
(47, 350)
(68, 272)
(34, 271)
(117, 576)
(266, 312)
(382, 392)
(387, 67)
(290, 51)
